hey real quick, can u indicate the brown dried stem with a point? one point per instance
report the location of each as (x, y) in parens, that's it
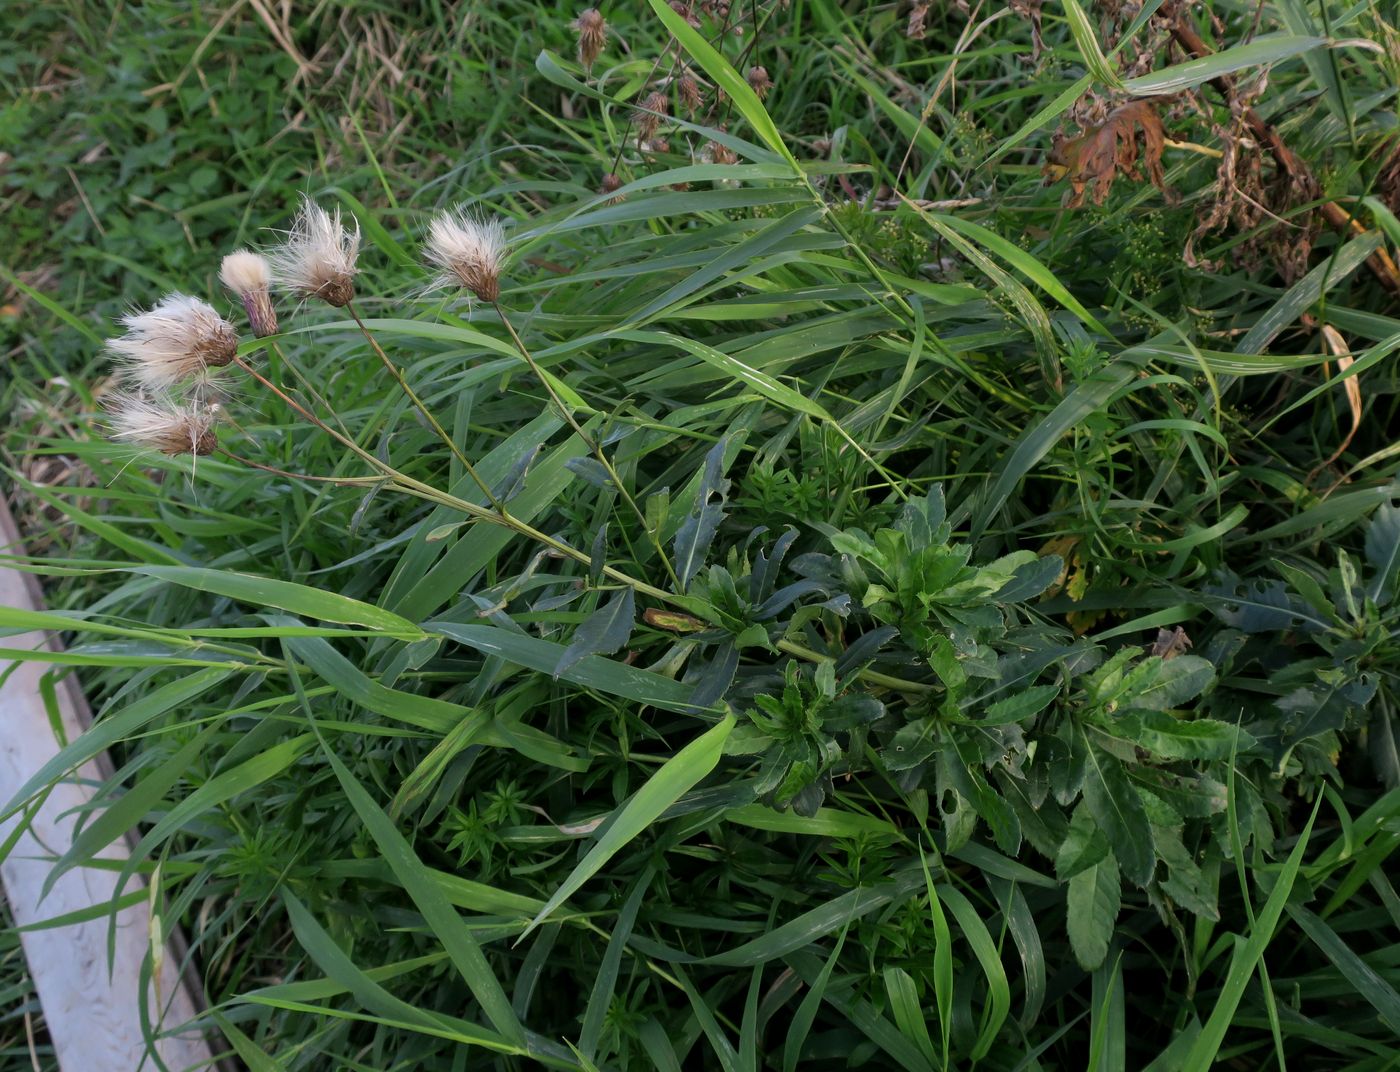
(1292, 165)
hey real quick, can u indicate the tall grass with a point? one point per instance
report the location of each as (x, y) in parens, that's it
(805, 691)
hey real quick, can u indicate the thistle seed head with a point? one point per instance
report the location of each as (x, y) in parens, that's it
(467, 251)
(162, 424)
(180, 339)
(248, 276)
(610, 185)
(759, 81)
(654, 106)
(317, 260)
(592, 33)
(688, 90)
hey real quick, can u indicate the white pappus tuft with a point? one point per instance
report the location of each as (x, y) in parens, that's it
(467, 250)
(163, 424)
(317, 260)
(179, 339)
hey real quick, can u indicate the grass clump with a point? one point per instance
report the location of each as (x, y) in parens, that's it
(825, 582)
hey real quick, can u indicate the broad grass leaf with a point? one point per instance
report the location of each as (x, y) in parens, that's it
(600, 997)
(133, 806)
(1269, 48)
(339, 968)
(283, 595)
(989, 959)
(1301, 296)
(592, 671)
(1086, 39)
(677, 776)
(861, 1015)
(1246, 957)
(1092, 905)
(1041, 436)
(113, 728)
(441, 918)
(1363, 978)
(908, 1014)
(727, 78)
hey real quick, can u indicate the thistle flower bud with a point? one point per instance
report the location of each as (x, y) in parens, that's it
(759, 81)
(317, 260)
(592, 32)
(688, 90)
(654, 107)
(247, 275)
(163, 424)
(610, 185)
(181, 338)
(467, 251)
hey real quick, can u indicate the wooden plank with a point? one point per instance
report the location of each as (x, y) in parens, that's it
(92, 1013)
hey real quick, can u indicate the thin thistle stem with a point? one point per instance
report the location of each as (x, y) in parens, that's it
(398, 375)
(588, 441)
(348, 481)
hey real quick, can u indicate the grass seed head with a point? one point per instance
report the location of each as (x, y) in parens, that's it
(317, 260)
(161, 423)
(179, 339)
(468, 251)
(248, 275)
(592, 33)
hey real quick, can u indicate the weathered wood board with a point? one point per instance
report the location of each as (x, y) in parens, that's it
(92, 1015)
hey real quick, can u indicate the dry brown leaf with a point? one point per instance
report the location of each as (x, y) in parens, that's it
(1102, 153)
(1352, 385)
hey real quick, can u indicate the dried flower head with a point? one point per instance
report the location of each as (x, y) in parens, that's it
(592, 33)
(686, 12)
(688, 90)
(179, 339)
(317, 260)
(467, 251)
(918, 19)
(654, 106)
(247, 275)
(163, 424)
(759, 81)
(719, 154)
(610, 185)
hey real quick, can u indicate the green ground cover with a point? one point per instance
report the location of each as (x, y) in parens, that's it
(914, 577)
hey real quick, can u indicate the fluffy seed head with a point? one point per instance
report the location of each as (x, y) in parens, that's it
(248, 276)
(759, 81)
(592, 32)
(317, 260)
(179, 339)
(467, 251)
(163, 424)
